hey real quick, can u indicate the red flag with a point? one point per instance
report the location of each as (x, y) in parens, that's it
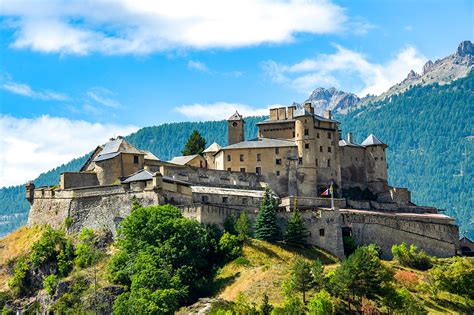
(327, 192)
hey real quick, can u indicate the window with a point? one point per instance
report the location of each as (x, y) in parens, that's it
(259, 157)
(234, 124)
(229, 169)
(329, 162)
(277, 150)
(306, 132)
(244, 201)
(278, 173)
(241, 158)
(278, 161)
(229, 158)
(381, 159)
(205, 199)
(135, 159)
(300, 160)
(316, 162)
(317, 135)
(321, 232)
(329, 135)
(258, 170)
(329, 149)
(242, 169)
(293, 134)
(306, 145)
(321, 148)
(225, 199)
(376, 158)
(356, 159)
(200, 164)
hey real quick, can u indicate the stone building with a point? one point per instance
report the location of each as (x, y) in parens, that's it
(297, 154)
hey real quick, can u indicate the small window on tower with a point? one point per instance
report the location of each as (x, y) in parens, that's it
(293, 134)
(229, 169)
(258, 170)
(329, 149)
(229, 158)
(321, 148)
(306, 145)
(277, 150)
(242, 169)
(321, 232)
(316, 162)
(278, 173)
(329, 135)
(241, 158)
(329, 162)
(306, 132)
(259, 157)
(278, 161)
(317, 135)
(135, 159)
(300, 160)
(225, 199)
(234, 124)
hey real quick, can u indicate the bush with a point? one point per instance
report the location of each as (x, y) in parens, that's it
(243, 227)
(408, 279)
(411, 257)
(50, 284)
(68, 222)
(86, 252)
(457, 277)
(19, 282)
(321, 304)
(230, 246)
(229, 224)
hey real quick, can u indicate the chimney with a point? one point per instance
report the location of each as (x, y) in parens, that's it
(327, 114)
(291, 112)
(273, 113)
(349, 137)
(30, 192)
(282, 113)
(309, 108)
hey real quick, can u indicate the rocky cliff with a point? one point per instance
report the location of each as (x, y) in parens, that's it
(337, 101)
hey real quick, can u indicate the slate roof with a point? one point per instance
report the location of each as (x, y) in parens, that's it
(300, 111)
(227, 191)
(141, 175)
(114, 147)
(261, 143)
(372, 140)
(182, 160)
(236, 116)
(212, 148)
(149, 155)
(343, 143)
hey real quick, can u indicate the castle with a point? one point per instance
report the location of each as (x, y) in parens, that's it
(298, 155)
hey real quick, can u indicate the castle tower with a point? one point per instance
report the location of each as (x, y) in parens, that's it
(235, 128)
(376, 163)
(305, 140)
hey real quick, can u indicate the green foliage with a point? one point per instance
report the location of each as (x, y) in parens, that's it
(295, 233)
(410, 304)
(87, 254)
(55, 249)
(243, 306)
(164, 259)
(230, 246)
(19, 282)
(411, 257)
(362, 274)
(300, 277)
(229, 224)
(195, 145)
(265, 225)
(7, 311)
(457, 277)
(318, 279)
(50, 284)
(265, 308)
(293, 306)
(243, 227)
(70, 302)
(321, 304)
(68, 222)
(349, 245)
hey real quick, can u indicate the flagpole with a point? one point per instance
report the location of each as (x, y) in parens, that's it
(332, 197)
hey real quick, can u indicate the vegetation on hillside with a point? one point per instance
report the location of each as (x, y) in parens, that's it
(196, 144)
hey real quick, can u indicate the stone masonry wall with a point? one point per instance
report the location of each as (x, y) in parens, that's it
(78, 179)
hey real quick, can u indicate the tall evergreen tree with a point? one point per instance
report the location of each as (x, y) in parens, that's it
(243, 227)
(195, 145)
(265, 308)
(301, 276)
(265, 225)
(295, 233)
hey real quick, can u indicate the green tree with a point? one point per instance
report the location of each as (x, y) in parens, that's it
(321, 304)
(229, 224)
(265, 225)
(230, 246)
(50, 283)
(300, 276)
(457, 277)
(317, 275)
(295, 233)
(411, 257)
(196, 144)
(265, 308)
(243, 226)
(87, 254)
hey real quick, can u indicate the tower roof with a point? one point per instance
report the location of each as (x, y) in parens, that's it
(372, 140)
(212, 148)
(236, 116)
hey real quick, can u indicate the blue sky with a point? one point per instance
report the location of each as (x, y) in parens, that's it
(83, 71)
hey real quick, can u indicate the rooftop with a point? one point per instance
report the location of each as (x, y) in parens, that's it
(114, 147)
(212, 148)
(236, 116)
(182, 160)
(372, 140)
(261, 143)
(343, 143)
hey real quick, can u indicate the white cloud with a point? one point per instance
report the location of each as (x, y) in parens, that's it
(197, 65)
(142, 26)
(103, 96)
(333, 69)
(29, 147)
(25, 90)
(220, 110)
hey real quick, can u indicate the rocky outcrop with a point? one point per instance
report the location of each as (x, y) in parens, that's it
(332, 99)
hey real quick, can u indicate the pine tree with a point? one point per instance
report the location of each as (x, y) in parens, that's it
(242, 226)
(317, 275)
(195, 145)
(301, 276)
(265, 308)
(295, 233)
(265, 225)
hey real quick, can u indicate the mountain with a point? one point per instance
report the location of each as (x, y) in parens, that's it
(337, 101)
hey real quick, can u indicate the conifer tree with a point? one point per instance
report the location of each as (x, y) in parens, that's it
(242, 226)
(295, 233)
(301, 278)
(265, 225)
(195, 145)
(265, 308)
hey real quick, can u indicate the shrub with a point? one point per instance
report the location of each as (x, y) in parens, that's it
(86, 252)
(50, 284)
(408, 279)
(265, 308)
(230, 246)
(229, 224)
(68, 222)
(411, 257)
(19, 282)
(321, 304)
(243, 226)
(457, 277)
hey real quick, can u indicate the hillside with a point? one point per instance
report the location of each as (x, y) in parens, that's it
(429, 130)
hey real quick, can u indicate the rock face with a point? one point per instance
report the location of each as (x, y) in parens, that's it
(337, 101)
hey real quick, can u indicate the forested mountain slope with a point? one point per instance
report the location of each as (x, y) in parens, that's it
(429, 131)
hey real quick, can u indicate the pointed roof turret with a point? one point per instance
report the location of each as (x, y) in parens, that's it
(372, 140)
(236, 116)
(212, 148)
